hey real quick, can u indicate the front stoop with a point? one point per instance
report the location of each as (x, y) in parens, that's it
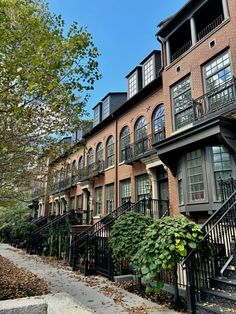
(221, 298)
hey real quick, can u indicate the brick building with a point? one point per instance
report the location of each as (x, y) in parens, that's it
(171, 137)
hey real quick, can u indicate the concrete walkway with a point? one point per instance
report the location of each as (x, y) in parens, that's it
(95, 293)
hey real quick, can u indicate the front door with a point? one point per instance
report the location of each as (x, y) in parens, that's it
(163, 191)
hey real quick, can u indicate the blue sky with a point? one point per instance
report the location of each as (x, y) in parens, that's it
(123, 31)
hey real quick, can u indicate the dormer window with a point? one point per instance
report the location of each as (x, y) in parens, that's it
(148, 72)
(132, 85)
(96, 119)
(106, 108)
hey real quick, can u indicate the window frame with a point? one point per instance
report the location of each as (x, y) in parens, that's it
(148, 78)
(123, 143)
(161, 119)
(109, 207)
(98, 202)
(127, 198)
(188, 107)
(110, 152)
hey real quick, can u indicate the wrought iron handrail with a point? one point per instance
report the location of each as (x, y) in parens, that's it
(139, 148)
(182, 50)
(54, 221)
(215, 99)
(227, 187)
(91, 171)
(97, 225)
(210, 27)
(206, 261)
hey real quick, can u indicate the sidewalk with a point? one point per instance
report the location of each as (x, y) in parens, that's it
(96, 294)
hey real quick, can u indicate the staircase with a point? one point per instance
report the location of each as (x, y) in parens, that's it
(34, 243)
(211, 273)
(91, 253)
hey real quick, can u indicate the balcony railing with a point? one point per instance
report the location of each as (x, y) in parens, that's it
(210, 27)
(38, 193)
(216, 99)
(91, 171)
(181, 51)
(143, 147)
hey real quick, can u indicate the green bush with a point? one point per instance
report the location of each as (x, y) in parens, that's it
(127, 234)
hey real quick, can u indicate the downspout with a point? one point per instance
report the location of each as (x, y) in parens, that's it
(161, 41)
(117, 162)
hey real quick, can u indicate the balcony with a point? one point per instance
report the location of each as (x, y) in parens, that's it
(37, 193)
(218, 99)
(143, 148)
(210, 27)
(181, 50)
(94, 170)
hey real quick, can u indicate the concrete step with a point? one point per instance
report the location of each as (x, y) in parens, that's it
(213, 307)
(225, 283)
(222, 297)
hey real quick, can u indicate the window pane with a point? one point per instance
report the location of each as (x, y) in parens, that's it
(221, 166)
(125, 190)
(98, 200)
(148, 72)
(110, 198)
(132, 85)
(196, 187)
(124, 142)
(182, 103)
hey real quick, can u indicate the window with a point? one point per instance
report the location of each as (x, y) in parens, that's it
(99, 152)
(179, 177)
(110, 154)
(72, 203)
(74, 168)
(148, 71)
(125, 191)
(142, 183)
(68, 171)
(132, 85)
(96, 112)
(140, 136)
(182, 103)
(81, 163)
(109, 198)
(62, 174)
(106, 108)
(90, 157)
(98, 200)
(195, 180)
(79, 202)
(158, 124)
(124, 143)
(221, 166)
(218, 81)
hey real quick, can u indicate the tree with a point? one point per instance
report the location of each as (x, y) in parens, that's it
(46, 75)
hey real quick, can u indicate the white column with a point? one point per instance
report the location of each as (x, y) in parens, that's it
(193, 30)
(225, 9)
(168, 53)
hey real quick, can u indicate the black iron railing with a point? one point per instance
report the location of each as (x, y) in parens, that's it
(213, 252)
(34, 241)
(210, 27)
(91, 171)
(182, 50)
(38, 193)
(227, 188)
(78, 246)
(217, 98)
(138, 149)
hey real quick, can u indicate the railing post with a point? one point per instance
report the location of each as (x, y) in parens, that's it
(190, 288)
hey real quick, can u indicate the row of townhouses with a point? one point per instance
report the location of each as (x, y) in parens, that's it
(171, 137)
(166, 146)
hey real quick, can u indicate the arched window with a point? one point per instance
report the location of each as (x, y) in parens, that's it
(99, 152)
(158, 124)
(61, 174)
(110, 152)
(140, 136)
(81, 163)
(68, 171)
(124, 143)
(73, 168)
(90, 159)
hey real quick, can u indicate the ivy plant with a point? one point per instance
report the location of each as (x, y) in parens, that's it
(127, 234)
(166, 243)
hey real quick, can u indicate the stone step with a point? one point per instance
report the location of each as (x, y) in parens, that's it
(205, 307)
(219, 296)
(225, 283)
